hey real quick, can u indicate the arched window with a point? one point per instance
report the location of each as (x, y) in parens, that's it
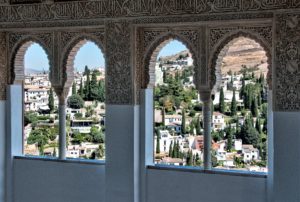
(86, 102)
(32, 70)
(239, 119)
(177, 110)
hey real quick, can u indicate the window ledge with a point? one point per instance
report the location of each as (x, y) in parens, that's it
(68, 160)
(213, 171)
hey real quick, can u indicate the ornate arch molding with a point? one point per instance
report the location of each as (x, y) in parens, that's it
(220, 41)
(154, 40)
(71, 43)
(18, 43)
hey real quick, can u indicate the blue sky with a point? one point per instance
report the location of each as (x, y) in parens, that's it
(89, 54)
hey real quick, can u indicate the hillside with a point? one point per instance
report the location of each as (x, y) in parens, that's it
(243, 52)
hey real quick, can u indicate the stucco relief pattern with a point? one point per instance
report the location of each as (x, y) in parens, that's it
(119, 81)
(220, 37)
(287, 69)
(3, 68)
(70, 43)
(17, 40)
(132, 8)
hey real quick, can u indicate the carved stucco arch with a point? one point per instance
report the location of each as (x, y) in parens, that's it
(151, 53)
(70, 53)
(221, 49)
(17, 68)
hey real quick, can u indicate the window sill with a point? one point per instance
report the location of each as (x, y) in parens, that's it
(68, 160)
(213, 171)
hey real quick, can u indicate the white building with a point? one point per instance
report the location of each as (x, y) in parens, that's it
(158, 75)
(250, 153)
(218, 121)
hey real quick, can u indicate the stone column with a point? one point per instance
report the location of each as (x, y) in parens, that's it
(62, 94)
(205, 97)
(62, 127)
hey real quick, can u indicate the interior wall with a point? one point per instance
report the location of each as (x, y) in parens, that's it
(54, 181)
(2, 149)
(180, 186)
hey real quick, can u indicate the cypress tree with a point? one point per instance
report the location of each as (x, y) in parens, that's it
(254, 109)
(101, 91)
(229, 139)
(86, 71)
(257, 125)
(192, 127)
(265, 127)
(171, 149)
(87, 87)
(165, 76)
(198, 126)
(197, 160)
(80, 91)
(174, 152)
(74, 88)
(158, 142)
(221, 102)
(183, 128)
(189, 158)
(94, 88)
(54, 152)
(51, 100)
(242, 92)
(233, 104)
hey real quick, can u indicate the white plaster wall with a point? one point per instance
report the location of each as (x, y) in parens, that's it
(52, 181)
(2, 149)
(121, 150)
(179, 186)
(286, 156)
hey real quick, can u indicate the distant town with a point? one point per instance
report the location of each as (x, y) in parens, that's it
(85, 115)
(239, 117)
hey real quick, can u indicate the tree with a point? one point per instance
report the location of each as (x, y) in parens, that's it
(158, 141)
(101, 91)
(51, 100)
(229, 139)
(75, 102)
(254, 109)
(100, 151)
(221, 102)
(249, 134)
(39, 137)
(183, 127)
(94, 87)
(198, 126)
(258, 126)
(189, 158)
(54, 152)
(87, 87)
(233, 107)
(80, 91)
(242, 92)
(97, 135)
(86, 71)
(74, 88)
(171, 149)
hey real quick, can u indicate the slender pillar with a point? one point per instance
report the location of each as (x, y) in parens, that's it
(62, 128)
(206, 110)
